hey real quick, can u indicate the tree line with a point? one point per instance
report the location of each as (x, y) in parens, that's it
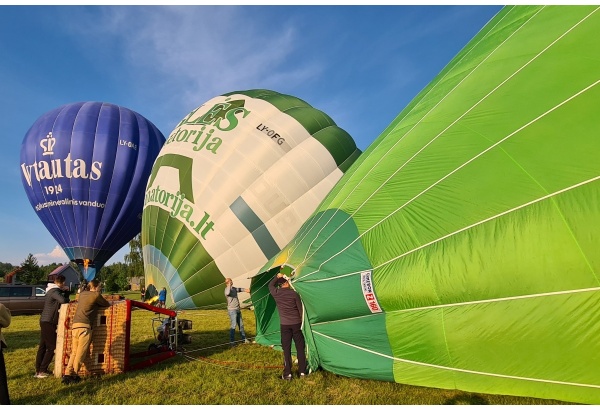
(115, 277)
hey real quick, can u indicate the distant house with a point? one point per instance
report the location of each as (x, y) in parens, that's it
(136, 282)
(11, 277)
(72, 276)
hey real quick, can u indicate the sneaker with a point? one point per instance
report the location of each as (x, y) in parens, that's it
(246, 341)
(41, 375)
(302, 375)
(286, 378)
(68, 379)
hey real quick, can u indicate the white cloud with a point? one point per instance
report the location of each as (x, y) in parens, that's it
(199, 51)
(56, 255)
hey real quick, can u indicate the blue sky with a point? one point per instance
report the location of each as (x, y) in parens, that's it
(360, 64)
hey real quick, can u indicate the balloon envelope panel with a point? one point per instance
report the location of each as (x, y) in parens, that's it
(231, 186)
(84, 167)
(468, 227)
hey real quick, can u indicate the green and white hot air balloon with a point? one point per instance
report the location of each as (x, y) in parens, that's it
(461, 250)
(232, 185)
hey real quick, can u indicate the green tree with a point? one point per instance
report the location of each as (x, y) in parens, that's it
(135, 258)
(116, 277)
(47, 269)
(31, 273)
(6, 268)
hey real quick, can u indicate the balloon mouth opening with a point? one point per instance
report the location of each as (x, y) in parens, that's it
(86, 263)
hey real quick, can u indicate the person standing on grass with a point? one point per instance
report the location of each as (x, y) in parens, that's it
(162, 298)
(5, 319)
(56, 295)
(81, 331)
(234, 311)
(290, 311)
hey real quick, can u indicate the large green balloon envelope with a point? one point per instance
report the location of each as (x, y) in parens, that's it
(461, 251)
(232, 185)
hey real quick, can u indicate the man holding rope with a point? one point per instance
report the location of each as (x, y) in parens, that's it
(234, 311)
(290, 310)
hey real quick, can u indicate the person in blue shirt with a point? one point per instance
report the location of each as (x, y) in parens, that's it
(162, 298)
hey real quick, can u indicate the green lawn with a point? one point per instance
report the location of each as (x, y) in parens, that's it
(209, 372)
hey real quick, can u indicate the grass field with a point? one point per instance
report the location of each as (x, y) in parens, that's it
(210, 372)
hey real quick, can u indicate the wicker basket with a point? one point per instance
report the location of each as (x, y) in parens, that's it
(109, 339)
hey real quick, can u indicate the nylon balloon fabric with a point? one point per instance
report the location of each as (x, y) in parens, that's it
(84, 168)
(460, 251)
(234, 181)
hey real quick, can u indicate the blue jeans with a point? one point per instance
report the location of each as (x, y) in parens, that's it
(235, 317)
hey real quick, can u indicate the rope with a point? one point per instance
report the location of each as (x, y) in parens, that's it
(227, 364)
(228, 343)
(110, 335)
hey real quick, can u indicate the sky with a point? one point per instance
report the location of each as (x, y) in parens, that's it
(359, 64)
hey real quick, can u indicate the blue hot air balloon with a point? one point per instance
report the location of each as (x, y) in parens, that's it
(84, 167)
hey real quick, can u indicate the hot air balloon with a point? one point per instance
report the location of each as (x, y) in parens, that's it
(231, 186)
(84, 167)
(461, 249)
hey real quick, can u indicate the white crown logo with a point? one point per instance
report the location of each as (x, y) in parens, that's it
(47, 144)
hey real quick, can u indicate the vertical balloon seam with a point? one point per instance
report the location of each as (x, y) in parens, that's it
(86, 106)
(109, 194)
(89, 184)
(145, 130)
(52, 217)
(70, 137)
(113, 234)
(395, 172)
(105, 115)
(116, 237)
(66, 239)
(105, 247)
(370, 152)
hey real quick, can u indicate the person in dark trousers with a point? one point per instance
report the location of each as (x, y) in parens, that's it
(5, 318)
(56, 294)
(290, 311)
(234, 311)
(81, 331)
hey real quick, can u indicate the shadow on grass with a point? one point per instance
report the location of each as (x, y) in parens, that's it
(22, 339)
(465, 398)
(205, 344)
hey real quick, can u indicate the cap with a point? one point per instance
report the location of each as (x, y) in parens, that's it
(280, 281)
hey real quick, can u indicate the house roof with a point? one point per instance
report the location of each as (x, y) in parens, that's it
(60, 269)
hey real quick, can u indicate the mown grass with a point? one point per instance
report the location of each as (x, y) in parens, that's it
(210, 372)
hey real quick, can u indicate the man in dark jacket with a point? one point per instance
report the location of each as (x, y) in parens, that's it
(81, 332)
(290, 311)
(56, 294)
